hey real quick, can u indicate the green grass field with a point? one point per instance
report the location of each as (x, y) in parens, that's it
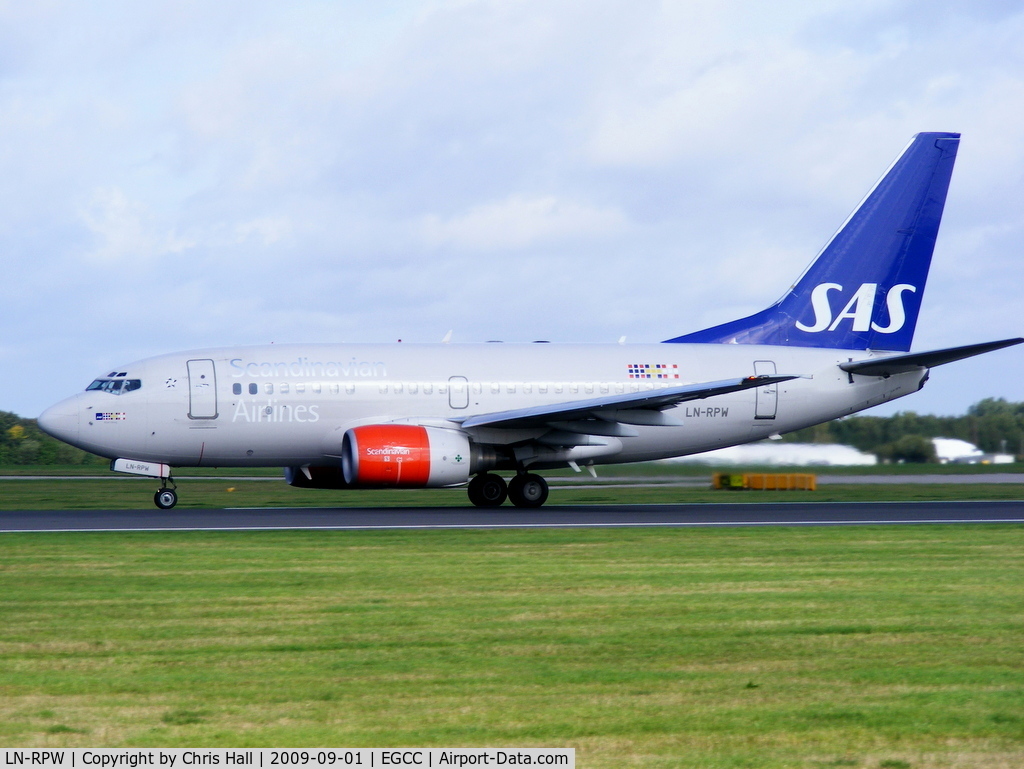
(858, 647)
(783, 647)
(652, 483)
(138, 494)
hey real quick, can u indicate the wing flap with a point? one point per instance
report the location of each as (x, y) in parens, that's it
(596, 427)
(649, 417)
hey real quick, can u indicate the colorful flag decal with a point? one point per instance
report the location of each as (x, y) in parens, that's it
(110, 416)
(653, 371)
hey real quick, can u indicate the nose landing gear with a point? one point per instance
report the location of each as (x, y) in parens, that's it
(166, 498)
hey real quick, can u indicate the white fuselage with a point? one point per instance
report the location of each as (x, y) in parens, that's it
(290, 405)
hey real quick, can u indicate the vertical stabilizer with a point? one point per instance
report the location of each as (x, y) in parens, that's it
(864, 290)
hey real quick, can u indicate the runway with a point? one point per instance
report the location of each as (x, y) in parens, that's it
(567, 516)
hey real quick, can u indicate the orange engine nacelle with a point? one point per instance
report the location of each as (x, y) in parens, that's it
(404, 455)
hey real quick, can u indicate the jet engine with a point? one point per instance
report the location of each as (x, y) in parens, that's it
(405, 455)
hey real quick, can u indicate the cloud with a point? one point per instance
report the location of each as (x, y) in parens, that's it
(230, 173)
(520, 221)
(266, 231)
(124, 231)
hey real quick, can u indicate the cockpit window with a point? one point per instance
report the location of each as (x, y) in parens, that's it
(115, 386)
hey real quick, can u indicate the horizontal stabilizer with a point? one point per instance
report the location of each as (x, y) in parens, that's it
(643, 402)
(897, 364)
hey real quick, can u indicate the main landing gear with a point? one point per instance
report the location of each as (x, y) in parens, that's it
(487, 490)
(525, 490)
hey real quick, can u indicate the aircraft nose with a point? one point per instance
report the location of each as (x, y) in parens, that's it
(61, 420)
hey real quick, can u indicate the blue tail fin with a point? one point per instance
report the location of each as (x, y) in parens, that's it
(864, 289)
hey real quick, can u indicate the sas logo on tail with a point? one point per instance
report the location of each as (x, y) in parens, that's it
(858, 309)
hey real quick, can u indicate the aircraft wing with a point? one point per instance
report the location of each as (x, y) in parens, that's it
(643, 408)
(897, 364)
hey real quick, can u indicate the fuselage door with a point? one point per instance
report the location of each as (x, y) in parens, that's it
(202, 389)
(458, 392)
(767, 396)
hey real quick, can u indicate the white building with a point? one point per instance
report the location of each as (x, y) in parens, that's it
(779, 454)
(962, 452)
(774, 453)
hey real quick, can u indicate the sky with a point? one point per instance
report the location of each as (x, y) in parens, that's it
(179, 175)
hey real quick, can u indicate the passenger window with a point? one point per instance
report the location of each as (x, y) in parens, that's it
(542, 388)
(495, 388)
(350, 387)
(412, 388)
(300, 387)
(315, 387)
(236, 388)
(527, 388)
(268, 388)
(589, 387)
(335, 388)
(428, 388)
(253, 389)
(284, 388)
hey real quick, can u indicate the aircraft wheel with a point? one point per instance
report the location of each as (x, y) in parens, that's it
(528, 490)
(166, 498)
(487, 490)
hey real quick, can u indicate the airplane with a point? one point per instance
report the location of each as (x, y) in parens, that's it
(344, 416)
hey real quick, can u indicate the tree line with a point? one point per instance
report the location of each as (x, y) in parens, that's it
(23, 443)
(993, 425)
